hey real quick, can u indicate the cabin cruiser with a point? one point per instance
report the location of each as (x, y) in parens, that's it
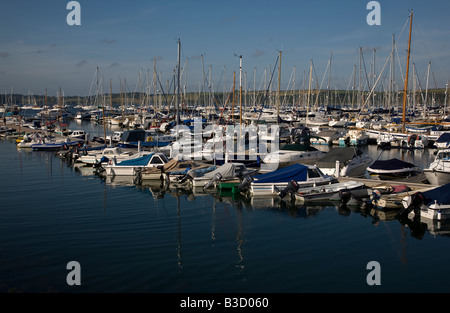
(438, 173)
(344, 161)
(105, 155)
(132, 166)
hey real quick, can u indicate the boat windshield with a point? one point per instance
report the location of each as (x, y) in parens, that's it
(312, 173)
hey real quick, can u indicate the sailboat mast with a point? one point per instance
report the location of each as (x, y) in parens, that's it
(279, 87)
(240, 90)
(407, 73)
(178, 85)
(309, 94)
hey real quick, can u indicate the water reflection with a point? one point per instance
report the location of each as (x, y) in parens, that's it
(159, 190)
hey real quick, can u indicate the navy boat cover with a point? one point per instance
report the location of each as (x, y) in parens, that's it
(391, 164)
(297, 172)
(440, 194)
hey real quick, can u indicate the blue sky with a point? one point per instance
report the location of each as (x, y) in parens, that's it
(39, 50)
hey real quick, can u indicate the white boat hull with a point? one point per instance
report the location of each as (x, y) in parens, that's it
(436, 177)
(433, 212)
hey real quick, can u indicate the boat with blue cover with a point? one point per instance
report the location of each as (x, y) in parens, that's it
(132, 166)
(273, 182)
(433, 204)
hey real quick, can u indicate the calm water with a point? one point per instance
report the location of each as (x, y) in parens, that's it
(130, 238)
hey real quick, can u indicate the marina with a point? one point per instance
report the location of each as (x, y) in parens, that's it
(210, 186)
(203, 240)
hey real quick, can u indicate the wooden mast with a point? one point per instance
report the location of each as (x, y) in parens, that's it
(407, 73)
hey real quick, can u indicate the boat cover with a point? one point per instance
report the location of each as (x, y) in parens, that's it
(297, 172)
(228, 170)
(342, 154)
(440, 194)
(175, 166)
(391, 164)
(141, 161)
(445, 137)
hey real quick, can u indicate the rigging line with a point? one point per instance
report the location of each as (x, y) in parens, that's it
(268, 88)
(162, 88)
(365, 70)
(384, 66)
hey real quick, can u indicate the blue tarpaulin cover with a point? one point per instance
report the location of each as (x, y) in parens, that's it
(297, 172)
(440, 194)
(141, 161)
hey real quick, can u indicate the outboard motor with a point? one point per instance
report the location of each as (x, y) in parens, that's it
(182, 179)
(290, 189)
(245, 183)
(216, 178)
(412, 203)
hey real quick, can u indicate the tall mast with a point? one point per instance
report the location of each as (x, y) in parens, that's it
(309, 94)
(407, 73)
(240, 90)
(374, 79)
(329, 78)
(178, 85)
(279, 87)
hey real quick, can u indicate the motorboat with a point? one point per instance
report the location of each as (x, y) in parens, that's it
(386, 140)
(29, 140)
(325, 137)
(344, 161)
(358, 137)
(141, 138)
(107, 154)
(443, 141)
(79, 134)
(273, 182)
(433, 204)
(227, 171)
(174, 170)
(133, 165)
(325, 192)
(392, 169)
(46, 144)
(390, 197)
(438, 173)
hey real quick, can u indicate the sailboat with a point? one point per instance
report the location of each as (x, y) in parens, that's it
(403, 135)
